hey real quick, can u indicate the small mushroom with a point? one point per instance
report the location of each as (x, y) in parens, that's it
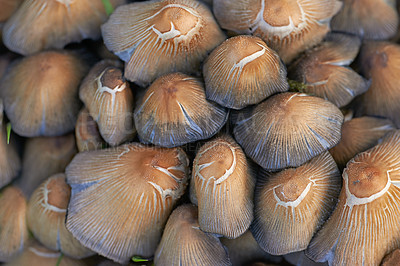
(292, 204)
(40, 93)
(287, 26)
(159, 37)
(174, 111)
(13, 229)
(45, 24)
(364, 227)
(87, 133)
(224, 187)
(242, 71)
(184, 243)
(288, 129)
(46, 213)
(109, 100)
(121, 198)
(369, 19)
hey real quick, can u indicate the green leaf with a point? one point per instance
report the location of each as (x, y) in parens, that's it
(108, 6)
(139, 259)
(59, 259)
(8, 132)
(295, 86)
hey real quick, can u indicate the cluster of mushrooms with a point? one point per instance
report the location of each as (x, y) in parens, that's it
(188, 132)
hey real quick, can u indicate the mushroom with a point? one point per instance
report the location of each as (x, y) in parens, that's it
(46, 213)
(288, 129)
(13, 229)
(40, 93)
(287, 26)
(364, 227)
(174, 111)
(44, 157)
(87, 133)
(292, 204)
(300, 259)
(358, 135)
(109, 100)
(380, 62)
(47, 24)
(160, 37)
(8, 7)
(184, 243)
(392, 259)
(224, 187)
(242, 71)
(121, 197)
(369, 19)
(325, 70)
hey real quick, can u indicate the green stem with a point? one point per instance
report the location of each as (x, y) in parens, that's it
(108, 6)
(59, 259)
(139, 259)
(8, 132)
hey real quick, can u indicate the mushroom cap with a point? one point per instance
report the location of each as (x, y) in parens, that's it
(122, 197)
(174, 111)
(38, 255)
(13, 230)
(358, 135)
(160, 37)
(44, 157)
(364, 226)
(109, 100)
(242, 71)
(87, 133)
(47, 24)
(287, 26)
(46, 213)
(292, 204)
(380, 62)
(325, 72)
(40, 93)
(224, 187)
(288, 129)
(300, 259)
(184, 243)
(369, 19)
(392, 259)
(8, 7)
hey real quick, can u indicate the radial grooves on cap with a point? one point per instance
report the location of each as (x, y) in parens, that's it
(44, 24)
(364, 229)
(159, 37)
(110, 102)
(47, 208)
(40, 93)
(370, 19)
(291, 205)
(87, 133)
(13, 229)
(236, 74)
(380, 62)
(288, 129)
(174, 111)
(224, 185)
(273, 22)
(183, 243)
(122, 197)
(358, 135)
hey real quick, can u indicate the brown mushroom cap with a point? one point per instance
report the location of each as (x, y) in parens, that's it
(288, 129)
(380, 62)
(392, 259)
(365, 224)
(224, 187)
(358, 135)
(40, 93)
(13, 229)
(109, 100)
(45, 24)
(159, 37)
(369, 19)
(174, 111)
(291, 205)
(287, 26)
(87, 133)
(8, 7)
(242, 71)
(183, 243)
(122, 197)
(46, 213)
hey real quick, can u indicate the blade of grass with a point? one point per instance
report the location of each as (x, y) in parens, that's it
(59, 259)
(108, 6)
(8, 132)
(139, 259)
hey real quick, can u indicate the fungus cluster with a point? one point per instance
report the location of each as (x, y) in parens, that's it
(191, 132)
